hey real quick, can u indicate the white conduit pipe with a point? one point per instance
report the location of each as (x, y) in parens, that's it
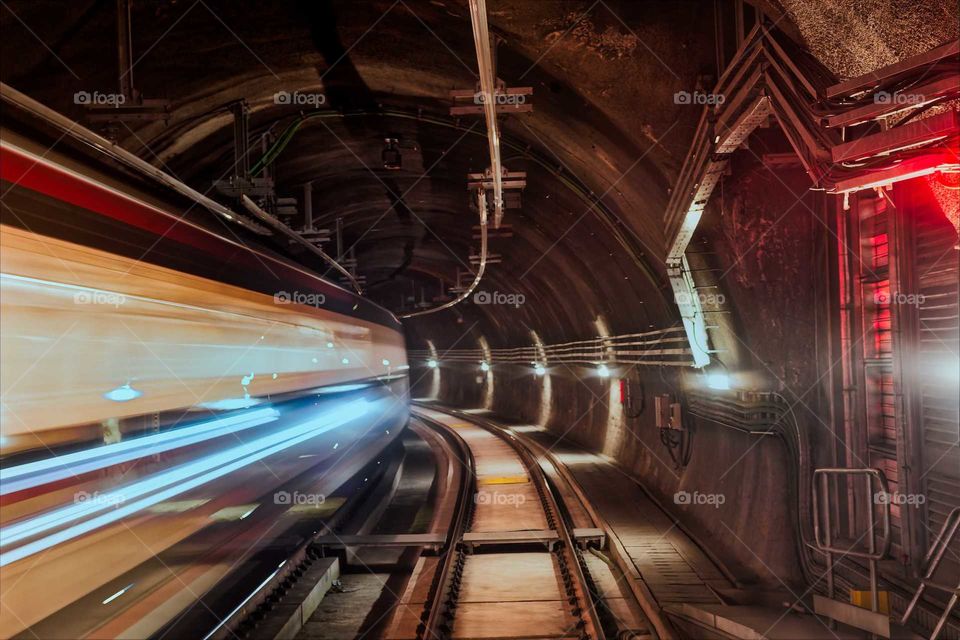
(488, 87)
(482, 205)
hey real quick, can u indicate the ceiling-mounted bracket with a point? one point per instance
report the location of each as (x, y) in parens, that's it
(127, 104)
(241, 182)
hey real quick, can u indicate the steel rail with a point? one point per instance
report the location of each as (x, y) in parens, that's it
(655, 615)
(438, 601)
(594, 629)
(579, 587)
(282, 577)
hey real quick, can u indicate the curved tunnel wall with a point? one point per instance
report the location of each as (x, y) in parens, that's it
(604, 117)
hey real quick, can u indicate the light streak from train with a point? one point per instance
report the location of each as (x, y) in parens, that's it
(163, 486)
(35, 474)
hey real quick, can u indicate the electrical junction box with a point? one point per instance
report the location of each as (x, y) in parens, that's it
(668, 413)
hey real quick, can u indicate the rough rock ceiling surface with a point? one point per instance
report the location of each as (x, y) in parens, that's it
(601, 148)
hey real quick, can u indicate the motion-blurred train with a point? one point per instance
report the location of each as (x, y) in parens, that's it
(160, 379)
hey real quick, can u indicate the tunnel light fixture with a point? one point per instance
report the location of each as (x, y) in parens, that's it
(539, 369)
(329, 345)
(484, 366)
(603, 371)
(718, 380)
(344, 360)
(432, 363)
(385, 362)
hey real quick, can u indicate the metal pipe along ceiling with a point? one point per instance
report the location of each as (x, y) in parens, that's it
(482, 205)
(488, 82)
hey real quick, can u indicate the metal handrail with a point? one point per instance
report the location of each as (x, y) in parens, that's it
(825, 543)
(932, 562)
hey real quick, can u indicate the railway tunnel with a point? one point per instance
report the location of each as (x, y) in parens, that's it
(480, 319)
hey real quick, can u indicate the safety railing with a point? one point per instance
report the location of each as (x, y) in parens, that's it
(825, 496)
(946, 537)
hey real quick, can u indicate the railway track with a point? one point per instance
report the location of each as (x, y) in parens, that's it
(511, 551)
(515, 564)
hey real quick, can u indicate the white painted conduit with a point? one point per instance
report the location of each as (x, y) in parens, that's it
(481, 39)
(482, 205)
(488, 86)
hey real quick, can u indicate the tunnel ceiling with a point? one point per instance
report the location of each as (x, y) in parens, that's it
(601, 147)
